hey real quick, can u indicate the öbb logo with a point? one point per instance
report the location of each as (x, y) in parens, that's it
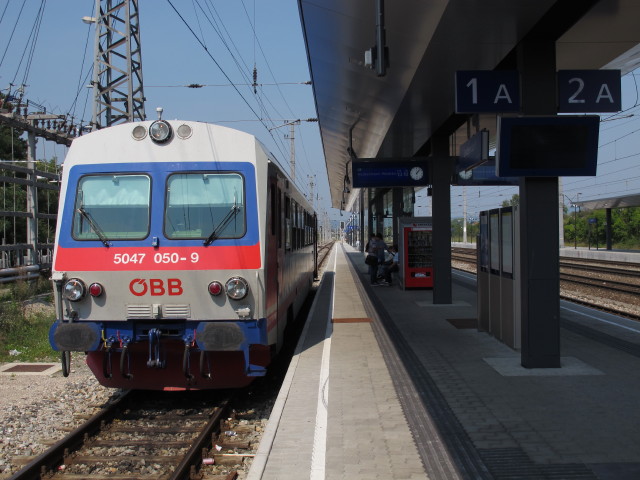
(155, 287)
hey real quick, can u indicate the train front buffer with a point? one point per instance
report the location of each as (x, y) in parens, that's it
(163, 345)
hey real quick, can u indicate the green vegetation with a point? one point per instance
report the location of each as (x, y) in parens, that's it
(589, 228)
(581, 228)
(23, 326)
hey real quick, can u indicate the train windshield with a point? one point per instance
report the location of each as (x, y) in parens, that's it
(112, 207)
(205, 205)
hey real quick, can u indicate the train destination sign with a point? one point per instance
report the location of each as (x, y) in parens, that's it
(487, 91)
(582, 91)
(389, 173)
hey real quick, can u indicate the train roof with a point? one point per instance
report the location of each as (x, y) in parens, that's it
(190, 140)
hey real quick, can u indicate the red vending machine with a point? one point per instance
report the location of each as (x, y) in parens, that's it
(416, 252)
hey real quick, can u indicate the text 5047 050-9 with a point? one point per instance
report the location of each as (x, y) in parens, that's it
(158, 258)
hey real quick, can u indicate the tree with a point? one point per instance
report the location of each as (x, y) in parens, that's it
(12, 147)
(514, 202)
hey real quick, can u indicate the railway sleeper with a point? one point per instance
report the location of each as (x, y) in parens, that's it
(105, 459)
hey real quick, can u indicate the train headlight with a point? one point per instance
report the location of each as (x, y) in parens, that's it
(236, 288)
(160, 131)
(139, 132)
(95, 289)
(74, 290)
(215, 288)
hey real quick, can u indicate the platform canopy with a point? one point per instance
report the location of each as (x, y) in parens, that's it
(624, 201)
(396, 115)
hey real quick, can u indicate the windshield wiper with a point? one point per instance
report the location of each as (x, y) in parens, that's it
(222, 225)
(94, 226)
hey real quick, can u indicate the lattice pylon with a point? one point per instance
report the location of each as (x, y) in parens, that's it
(118, 95)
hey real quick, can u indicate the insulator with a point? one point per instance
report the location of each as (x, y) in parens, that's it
(255, 79)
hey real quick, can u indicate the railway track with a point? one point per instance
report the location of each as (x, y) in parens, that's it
(323, 252)
(165, 435)
(155, 435)
(150, 435)
(608, 286)
(612, 285)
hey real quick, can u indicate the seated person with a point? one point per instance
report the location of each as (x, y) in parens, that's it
(392, 266)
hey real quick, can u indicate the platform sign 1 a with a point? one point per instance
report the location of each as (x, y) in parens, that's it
(485, 91)
(584, 91)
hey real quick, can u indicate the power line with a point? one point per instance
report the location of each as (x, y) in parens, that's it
(216, 62)
(202, 85)
(12, 31)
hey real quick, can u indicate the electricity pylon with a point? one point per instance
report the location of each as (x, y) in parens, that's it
(118, 95)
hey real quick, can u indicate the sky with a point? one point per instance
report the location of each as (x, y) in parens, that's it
(267, 34)
(216, 47)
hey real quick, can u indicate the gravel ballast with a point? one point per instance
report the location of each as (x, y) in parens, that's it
(37, 410)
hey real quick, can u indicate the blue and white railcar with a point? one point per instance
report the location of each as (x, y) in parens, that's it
(182, 253)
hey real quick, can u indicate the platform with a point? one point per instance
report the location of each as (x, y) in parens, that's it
(386, 385)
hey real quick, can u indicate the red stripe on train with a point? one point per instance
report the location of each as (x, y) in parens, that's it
(161, 258)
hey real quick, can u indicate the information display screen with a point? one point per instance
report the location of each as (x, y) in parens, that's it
(389, 173)
(547, 146)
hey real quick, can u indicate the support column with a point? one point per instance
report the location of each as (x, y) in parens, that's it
(397, 212)
(440, 175)
(363, 237)
(539, 242)
(32, 199)
(608, 228)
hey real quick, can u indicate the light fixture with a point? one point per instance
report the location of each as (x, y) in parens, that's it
(160, 131)
(74, 290)
(236, 288)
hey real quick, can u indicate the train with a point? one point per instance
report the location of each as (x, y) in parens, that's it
(183, 252)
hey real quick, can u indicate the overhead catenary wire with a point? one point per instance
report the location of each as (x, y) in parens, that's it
(12, 31)
(202, 85)
(83, 81)
(277, 143)
(265, 58)
(217, 64)
(30, 46)
(242, 66)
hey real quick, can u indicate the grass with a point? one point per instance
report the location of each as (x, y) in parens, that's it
(22, 329)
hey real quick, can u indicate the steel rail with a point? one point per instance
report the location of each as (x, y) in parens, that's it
(55, 455)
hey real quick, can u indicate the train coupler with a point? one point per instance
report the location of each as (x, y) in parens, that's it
(154, 349)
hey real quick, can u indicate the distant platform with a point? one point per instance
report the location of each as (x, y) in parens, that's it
(631, 256)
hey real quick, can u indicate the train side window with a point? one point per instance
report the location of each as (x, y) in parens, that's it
(203, 204)
(287, 223)
(112, 207)
(274, 211)
(279, 217)
(294, 225)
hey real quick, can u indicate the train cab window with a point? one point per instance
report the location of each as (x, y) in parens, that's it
(205, 206)
(112, 207)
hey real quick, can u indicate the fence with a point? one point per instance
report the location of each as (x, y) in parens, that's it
(27, 235)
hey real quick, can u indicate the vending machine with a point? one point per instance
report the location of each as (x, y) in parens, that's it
(416, 252)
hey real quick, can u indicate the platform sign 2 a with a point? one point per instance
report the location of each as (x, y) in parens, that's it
(484, 91)
(583, 91)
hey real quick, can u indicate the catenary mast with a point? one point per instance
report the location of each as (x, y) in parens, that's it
(118, 95)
